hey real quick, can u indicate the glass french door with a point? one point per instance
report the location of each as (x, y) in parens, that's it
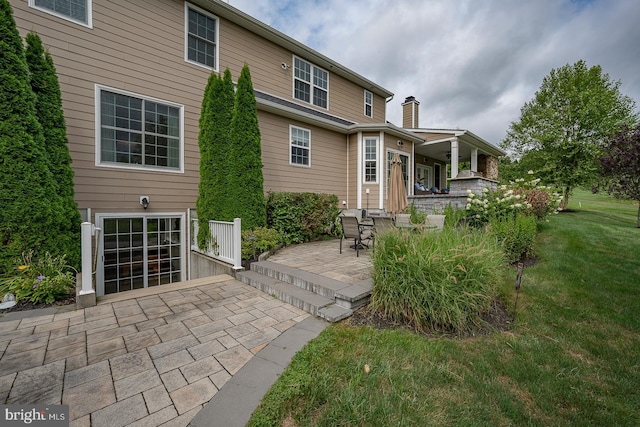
(139, 252)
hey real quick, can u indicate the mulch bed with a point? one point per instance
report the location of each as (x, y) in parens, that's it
(496, 320)
(26, 305)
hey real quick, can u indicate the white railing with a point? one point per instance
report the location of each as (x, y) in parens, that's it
(225, 243)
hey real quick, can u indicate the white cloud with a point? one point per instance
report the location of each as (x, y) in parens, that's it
(471, 64)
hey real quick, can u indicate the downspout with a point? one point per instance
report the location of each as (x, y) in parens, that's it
(388, 100)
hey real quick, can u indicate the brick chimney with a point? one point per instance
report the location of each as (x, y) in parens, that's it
(410, 109)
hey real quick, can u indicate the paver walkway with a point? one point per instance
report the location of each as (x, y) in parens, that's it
(148, 357)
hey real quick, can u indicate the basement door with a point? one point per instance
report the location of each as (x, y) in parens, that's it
(139, 252)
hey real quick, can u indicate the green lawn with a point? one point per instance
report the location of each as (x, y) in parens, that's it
(572, 356)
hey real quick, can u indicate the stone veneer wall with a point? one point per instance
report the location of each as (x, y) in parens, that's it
(488, 165)
(436, 203)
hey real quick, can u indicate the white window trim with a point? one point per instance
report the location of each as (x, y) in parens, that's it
(291, 127)
(364, 160)
(88, 24)
(367, 104)
(293, 86)
(188, 6)
(100, 217)
(98, 134)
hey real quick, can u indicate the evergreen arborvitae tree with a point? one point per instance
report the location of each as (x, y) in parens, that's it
(215, 123)
(245, 186)
(30, 207)
(45, 85)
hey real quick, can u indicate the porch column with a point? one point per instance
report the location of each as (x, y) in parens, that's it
(474, 160)
(454, 158)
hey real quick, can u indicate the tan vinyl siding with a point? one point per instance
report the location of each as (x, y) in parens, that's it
(144, 57)
(238, 46)
(138, 47)
(327, 173)
(352, 154)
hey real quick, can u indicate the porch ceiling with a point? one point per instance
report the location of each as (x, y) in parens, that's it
(440, 149)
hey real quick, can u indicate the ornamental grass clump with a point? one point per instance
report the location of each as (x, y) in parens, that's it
(45, 279)
(441, 281)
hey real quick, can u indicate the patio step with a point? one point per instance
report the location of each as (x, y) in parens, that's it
(308, 301)
(346, 295)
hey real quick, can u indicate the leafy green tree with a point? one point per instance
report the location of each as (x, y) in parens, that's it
(30, 206)
(215, 124)
(570, 116)
(621, 165)
(245, 186)
(44, 83)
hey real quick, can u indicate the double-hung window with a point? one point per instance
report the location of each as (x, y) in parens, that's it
(310, 83)
(201, 37)
(368, 103)
(78, 11)
(138, 132)
(370, 160)
(300, 146)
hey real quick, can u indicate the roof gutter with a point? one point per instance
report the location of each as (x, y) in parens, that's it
(244, 20)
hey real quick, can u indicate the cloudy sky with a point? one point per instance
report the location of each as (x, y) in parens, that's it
(472, 64)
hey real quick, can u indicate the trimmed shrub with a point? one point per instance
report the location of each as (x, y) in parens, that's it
(30, 213)
(215, 125)
(245, 185)
(302, 217)
(45, 85)
(259, 240)
(435, 281)
(515, 234)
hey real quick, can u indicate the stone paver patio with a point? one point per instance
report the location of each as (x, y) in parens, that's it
(148, 357)
(157, 356)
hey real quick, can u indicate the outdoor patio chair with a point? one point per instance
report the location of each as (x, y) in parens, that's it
(352, 229)
(382, 224)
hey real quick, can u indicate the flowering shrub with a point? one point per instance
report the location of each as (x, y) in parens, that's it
(45, 279)
(511, 213)
(520, 196)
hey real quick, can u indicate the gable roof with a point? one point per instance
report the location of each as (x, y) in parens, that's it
(226, 11)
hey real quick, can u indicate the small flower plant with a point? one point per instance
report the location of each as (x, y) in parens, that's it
(40, 280)
(521, 195)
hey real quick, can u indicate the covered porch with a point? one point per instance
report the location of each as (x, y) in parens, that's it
(444, 151)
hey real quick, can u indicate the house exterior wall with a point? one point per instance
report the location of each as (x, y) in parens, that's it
(146, 57)
(137, 48)
(328, 158)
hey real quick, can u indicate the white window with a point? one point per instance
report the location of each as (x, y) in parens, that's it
(201, 40)
(300, 146)
(370, 160)
(368, 103)
(78, 11)
(138, 132)
(310, 83)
